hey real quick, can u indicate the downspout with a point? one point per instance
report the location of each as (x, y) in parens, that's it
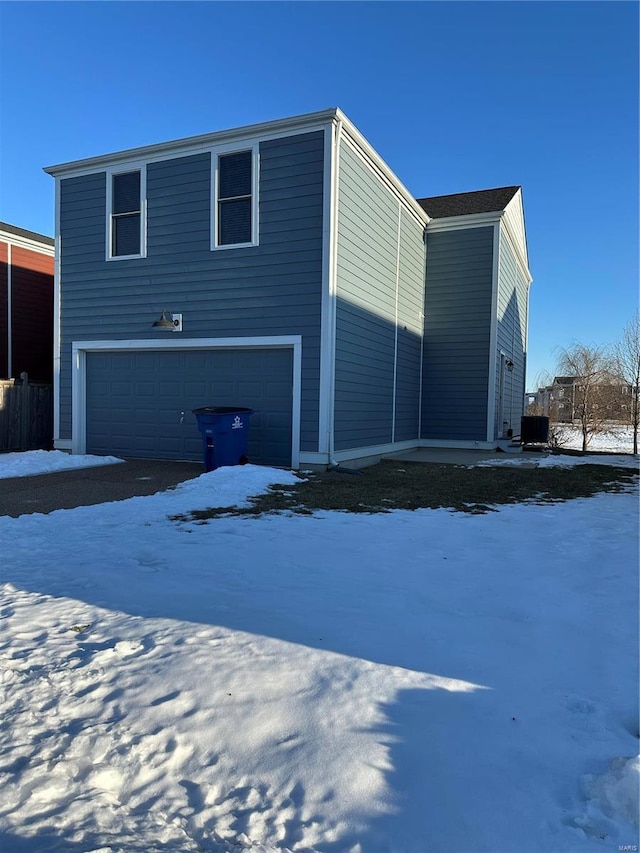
(333, 282)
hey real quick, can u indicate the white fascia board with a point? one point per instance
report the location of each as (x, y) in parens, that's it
(26, 243)
(194, 144)
(377, 165)
(456, 223)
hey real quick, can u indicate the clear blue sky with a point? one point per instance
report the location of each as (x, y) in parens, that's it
(454, 96)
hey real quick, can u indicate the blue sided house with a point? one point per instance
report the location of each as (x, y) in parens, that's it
(285, 268)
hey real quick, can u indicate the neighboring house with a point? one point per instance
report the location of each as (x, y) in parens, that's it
(563, 400)
(26, 304)
(293, 262)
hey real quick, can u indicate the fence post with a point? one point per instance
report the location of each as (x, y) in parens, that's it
(25, 411)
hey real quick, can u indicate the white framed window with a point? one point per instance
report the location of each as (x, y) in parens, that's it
(126, 213)
(234, 208)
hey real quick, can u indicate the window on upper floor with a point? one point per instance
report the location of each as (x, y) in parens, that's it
(125, 202)
(235, 219)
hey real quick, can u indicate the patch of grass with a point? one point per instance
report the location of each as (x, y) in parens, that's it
(393, 485)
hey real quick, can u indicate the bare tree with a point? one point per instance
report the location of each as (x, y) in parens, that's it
(627, 355)
(591, 369)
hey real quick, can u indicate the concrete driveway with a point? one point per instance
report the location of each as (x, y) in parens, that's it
(85, 486)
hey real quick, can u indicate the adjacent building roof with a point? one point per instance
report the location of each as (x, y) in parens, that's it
(466, 204)
(29, 235)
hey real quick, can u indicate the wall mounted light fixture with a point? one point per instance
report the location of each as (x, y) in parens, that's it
(169, 322)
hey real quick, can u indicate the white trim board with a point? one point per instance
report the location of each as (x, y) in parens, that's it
(26, 243)
(327, 312)
(216, 153)
(79, 375)
(110, 173)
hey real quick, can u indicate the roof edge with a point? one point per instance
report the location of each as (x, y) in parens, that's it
(18, 235)
(470, 195)
(193, 143)
(360, 140)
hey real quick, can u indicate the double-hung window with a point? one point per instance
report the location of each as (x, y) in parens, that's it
(126, 220)
(235, 220)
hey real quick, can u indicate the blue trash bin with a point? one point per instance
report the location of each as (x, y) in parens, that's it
(225, 431)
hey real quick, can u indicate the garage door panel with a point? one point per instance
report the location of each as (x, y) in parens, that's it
(195, 389)
(140, 404)
(144, 388)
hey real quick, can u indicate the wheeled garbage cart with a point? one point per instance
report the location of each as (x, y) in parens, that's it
(225, 431)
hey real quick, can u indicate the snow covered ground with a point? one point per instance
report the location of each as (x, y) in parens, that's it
(616, 447)
(617, 440)
(397, 683)
(47, 462)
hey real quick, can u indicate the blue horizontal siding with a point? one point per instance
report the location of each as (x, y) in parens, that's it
(457, 328)
(271, 289)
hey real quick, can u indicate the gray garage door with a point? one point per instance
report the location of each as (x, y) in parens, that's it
(140, 404)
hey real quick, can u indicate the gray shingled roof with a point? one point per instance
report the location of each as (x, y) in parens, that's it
(466, 204)
(30, 235)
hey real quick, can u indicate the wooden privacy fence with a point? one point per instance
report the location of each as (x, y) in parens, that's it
(26, 414)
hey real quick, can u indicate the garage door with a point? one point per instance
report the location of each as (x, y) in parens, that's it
(140, 404)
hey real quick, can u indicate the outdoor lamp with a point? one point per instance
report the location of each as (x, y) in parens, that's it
(168, 322)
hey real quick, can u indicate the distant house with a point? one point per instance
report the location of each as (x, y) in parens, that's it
(563, 400)
(26, 303)
(283, 266)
